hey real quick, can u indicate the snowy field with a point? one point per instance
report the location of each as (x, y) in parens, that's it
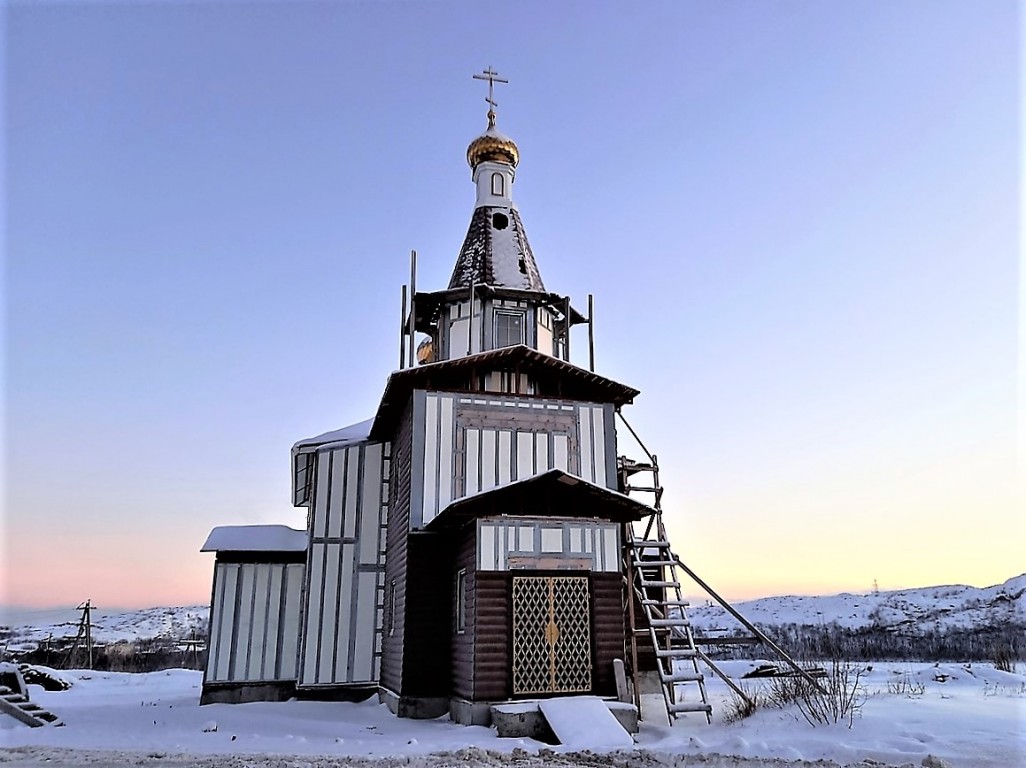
(975, 718)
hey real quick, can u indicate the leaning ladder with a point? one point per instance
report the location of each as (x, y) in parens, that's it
(653, 582)
(655, 587)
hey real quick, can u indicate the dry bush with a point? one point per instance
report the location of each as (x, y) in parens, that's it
(835, 698)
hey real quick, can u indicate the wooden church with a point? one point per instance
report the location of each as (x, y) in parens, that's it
(478, 540)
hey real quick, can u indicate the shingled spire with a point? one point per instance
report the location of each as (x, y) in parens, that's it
(495, 252)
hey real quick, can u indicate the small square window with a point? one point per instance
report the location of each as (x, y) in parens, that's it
(509, 329)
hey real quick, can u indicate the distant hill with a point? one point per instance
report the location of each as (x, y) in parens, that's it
(939, 609)
(926, 609)
(111, 627)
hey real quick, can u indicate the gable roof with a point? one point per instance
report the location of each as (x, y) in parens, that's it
(554, 493)
(558, 378)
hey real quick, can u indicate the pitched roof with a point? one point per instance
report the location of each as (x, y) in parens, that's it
(496, 252)
(555, 377)
(255, 538)
(553, 493)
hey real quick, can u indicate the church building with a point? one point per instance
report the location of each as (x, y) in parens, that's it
(477, 540)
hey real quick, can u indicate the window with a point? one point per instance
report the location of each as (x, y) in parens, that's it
(391, 608)
(498, 184)
(509, 329)
(461, 601)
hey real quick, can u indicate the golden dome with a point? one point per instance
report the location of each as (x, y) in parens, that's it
(492, 145)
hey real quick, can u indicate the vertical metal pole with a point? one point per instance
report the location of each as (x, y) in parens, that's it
(566, 340)
(402, 332)
(413, 303)
(591, 332)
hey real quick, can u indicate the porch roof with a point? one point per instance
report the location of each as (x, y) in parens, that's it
(553, 493)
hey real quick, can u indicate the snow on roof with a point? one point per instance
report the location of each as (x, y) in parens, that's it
(501, 258)
(255, 538)
(339, 438)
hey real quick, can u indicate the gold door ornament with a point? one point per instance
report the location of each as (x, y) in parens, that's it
(551, 635)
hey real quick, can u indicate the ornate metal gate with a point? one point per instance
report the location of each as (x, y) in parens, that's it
(551, 635)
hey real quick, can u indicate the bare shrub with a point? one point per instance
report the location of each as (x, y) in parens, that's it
(740, 707)
(1004, 659)
(836, 697)
(906, 685)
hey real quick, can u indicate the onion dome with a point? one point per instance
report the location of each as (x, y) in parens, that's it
(492, 146)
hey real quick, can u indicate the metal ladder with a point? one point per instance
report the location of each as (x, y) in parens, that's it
(655, 586)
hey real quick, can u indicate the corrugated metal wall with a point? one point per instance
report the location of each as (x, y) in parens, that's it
(254, 622)
(341, 639)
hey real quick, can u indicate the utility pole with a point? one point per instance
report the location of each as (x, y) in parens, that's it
(86, 626)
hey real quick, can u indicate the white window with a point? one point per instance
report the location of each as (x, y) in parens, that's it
(498, 184)
(509, 328)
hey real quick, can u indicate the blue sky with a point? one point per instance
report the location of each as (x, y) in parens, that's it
(800, 221)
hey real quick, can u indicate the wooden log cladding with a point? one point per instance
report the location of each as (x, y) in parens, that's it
(395, 554)
(491, 618)
(608, 636)
(464, 643)
(428, 620)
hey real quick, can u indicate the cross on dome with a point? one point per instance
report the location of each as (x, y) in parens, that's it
(492, 77)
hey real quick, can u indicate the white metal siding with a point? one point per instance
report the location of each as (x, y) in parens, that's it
(346, 575)
(254, 623)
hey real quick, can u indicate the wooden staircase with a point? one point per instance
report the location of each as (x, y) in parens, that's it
(659, 632)
(18, 706)
(657, 589)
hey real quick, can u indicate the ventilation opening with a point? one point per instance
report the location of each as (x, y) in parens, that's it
(500, 220)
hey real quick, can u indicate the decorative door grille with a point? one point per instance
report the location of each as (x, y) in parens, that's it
(551, 635)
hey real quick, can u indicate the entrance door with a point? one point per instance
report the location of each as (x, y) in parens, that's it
(551, 635)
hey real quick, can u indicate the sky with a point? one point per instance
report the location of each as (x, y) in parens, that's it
(800, 222)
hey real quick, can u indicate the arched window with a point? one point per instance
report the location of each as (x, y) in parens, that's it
(498, 184)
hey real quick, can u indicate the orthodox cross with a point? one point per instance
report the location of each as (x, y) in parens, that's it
(492, 78)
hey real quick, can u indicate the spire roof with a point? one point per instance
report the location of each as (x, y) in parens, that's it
(496, 253)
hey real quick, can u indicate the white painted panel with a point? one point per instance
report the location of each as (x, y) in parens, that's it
(609, 549)
(315, 597)
(328, 632)
(489, 438)
(275, 585)
(561, 452)
(321, 497)
(290, 631)
(599, 421)
(541, 445)
(244, 621)
(505, 456)
(445, 457)
(459, 338)
(526, 541)
(525, 454)
(486, 547)
(576, 539)
(544, 340)
(351, 495)
(472, 472)
(584, 431)
(551, 539)
(258, 646)
(347, 593)
(430, 507)
(363, 654)
(335, 503)
(370, 506)
(229, 579)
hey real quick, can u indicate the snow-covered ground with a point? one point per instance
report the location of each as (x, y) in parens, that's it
(975, 718)
(29, 629)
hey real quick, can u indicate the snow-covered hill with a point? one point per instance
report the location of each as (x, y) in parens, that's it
(925, 608)
(111, 627)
